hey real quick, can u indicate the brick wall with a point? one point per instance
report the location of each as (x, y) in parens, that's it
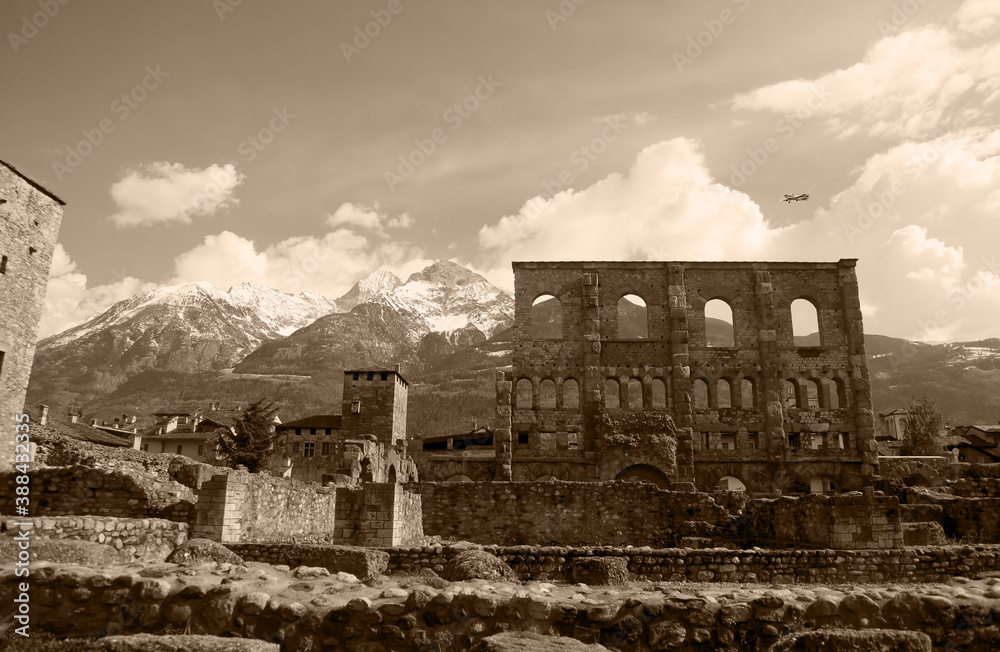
(29, 227)
(570, 513)
(147, 539)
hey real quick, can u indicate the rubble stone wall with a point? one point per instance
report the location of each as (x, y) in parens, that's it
(966, 519)
(147, 539)
(80, 490)
(563, 513)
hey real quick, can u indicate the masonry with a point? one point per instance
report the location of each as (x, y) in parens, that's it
(590, 399)
(30, 217)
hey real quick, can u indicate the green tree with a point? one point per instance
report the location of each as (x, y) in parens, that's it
(253, 440)
(922, 430)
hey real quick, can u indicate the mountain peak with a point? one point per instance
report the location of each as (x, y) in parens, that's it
(378, 282)
(446, 272)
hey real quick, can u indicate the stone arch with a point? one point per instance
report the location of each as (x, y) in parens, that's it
(644, 473)
(391, 476)
(612, 393)
(747, 393)
(523, 395)
(658, 393)
(570, 394)
(723, 393)
(721, 310)
(634, 394)
(731, 482)
(805, 320)
(699, 394)
(459, 478)
(546, 318)
(633, 318)
(547, 394)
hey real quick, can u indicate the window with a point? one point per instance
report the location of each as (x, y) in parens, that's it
(752, 440)
(522, 438)
(312, 431)
(356, 376)
(719, 329)
(523, 398)
(699, 394)
(703, 437)
(746, 393)
(309, 450)
(634, 394)
(180, 449)
(611, 396)
(385, 376)
(794, 440)
(571, 394)
(805, 323)
(355, 407)
(145, 447)
(371, 376)
(573, 441)
(546, 318)
(659, 393)
(727, 442)
(723, 394)
(633, 322)
(547, 394)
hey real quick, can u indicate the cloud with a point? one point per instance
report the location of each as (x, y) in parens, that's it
(917, 84)
(920, 217)
(170, 193)
(368, 218)
(68, 300)
(633, 118)
(401, 221)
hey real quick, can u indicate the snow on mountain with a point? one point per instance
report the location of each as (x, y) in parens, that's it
(285, 313)
(378, 282)
(446, 297)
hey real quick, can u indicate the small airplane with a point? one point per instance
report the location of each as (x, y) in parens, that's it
(791, 198)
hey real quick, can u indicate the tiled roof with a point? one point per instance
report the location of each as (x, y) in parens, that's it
(315, 421)
(190, 436)
(82, 432)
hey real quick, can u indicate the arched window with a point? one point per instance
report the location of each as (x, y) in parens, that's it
(634, 394)
(812, 394)
(790, 394)
(633, 322)
(699, 394)
(746, 393)
(571, 394)
(547, 394)
(730, 483)
(719, 324)
(659, 393)
(723, 396)
(611, 398)
(805, 323)
(546, 318)
(523, 394)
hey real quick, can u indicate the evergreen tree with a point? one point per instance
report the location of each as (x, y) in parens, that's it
(922, 430)
(253, 440)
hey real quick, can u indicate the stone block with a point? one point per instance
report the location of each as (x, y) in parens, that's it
(867, 640)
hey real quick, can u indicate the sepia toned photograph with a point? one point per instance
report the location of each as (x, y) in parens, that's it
(520, 326)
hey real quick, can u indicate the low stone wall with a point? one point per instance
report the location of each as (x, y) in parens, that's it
(564, 513)
(976, 488)
(147, 539)
(546, 563)
(460, 616)
(858, 521)
(81, 490)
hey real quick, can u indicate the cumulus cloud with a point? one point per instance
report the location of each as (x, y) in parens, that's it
(367, 218)
(918, 217)
(171, 193)
(916, 84)
(68, 300)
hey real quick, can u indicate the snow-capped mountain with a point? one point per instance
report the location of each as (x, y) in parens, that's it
(285, 313)
(378, 282)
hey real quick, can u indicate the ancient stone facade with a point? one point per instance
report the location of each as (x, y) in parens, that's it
(30, 217)
(365, 443)
(589, 401)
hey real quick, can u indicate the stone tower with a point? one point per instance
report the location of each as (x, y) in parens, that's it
(375, 404)
(30, 217)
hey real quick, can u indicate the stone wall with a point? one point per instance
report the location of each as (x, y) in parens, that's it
(976, 488)
(30, 217)
(148, 539)
(546, 563)
(922, 470)
(80, 490)
(967, 519)
(243, 508)
(564, 513)
(460, 616)
(844, 522)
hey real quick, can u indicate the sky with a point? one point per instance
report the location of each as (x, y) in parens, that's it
(303, 145)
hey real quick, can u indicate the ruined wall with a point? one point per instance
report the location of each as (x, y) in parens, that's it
(29, 227)
(977, 488)
(80, 490)
(842, 522)
(148, 539)
(968, 519)
(759, 439)
(377, 515)
(567, 513)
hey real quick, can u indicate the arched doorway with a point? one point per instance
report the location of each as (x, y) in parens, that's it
(644, 473)
(730, 483)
